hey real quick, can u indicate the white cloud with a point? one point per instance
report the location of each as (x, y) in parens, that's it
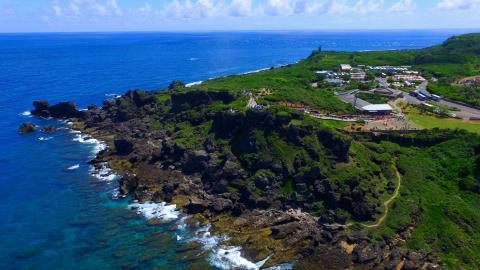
(57, 10)
(146, 9)
(240, 8)
(95, 7)
(278, 7)
(108, 8)
(202, 9)
(290, 7)
(364, 7)
(403, 6)
(114, 6)
(448, 5)
(198, 9)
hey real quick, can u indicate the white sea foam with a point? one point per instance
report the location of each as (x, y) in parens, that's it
(98, 145)
(231, 258)
(113, 95)
(254, 71)
(283, 266)
(227, 257)
(26, 113)
(150, 210)
(193, 83)
(45, 138)
(73, 167)
(104, 173)
(193, 59)
(208, 241)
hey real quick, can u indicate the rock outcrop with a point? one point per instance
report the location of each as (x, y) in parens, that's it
(234, 177)
(27, 127)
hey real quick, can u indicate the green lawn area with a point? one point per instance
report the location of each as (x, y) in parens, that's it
(434, 122)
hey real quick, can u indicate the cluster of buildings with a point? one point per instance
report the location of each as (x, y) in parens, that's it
(390, 68)
(344, 74)
(425, 95)
(356, 73)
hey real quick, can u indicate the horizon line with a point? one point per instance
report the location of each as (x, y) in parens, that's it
(246, 30)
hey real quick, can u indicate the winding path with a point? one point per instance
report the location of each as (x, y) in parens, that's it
(386, 204)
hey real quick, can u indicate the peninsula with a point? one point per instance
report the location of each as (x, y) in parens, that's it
(344, 160)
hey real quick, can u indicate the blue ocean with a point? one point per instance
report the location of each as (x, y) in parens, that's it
(53, 213)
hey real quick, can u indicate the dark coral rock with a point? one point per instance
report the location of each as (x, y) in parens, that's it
(196, 161)
(49, 129)
(27, 127)
(123, 146)
(176, 84)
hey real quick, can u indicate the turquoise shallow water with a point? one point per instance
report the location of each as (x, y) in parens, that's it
(54, 218)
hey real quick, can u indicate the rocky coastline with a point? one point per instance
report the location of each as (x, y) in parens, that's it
(209, 182)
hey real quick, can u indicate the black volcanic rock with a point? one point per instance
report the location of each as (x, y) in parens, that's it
(176, 84)
(49, 129)
(196, 161)
(27, 127)
(124, 146)
(59, 110)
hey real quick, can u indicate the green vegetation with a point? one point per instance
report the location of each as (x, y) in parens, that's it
(373, 98)
(437, 209)
(456, 58)
(441, 198)
(290, 83)
(466, 94)
(427, 121)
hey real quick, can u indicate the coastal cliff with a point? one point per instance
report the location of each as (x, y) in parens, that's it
(286, 186)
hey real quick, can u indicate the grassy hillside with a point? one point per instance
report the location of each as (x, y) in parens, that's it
(456, 58)
(289, 83)
(439, 200)
(437, 209)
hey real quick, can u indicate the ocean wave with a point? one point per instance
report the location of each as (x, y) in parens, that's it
(73, 167)
(231, 258)
(98, 145)
(115, 193)
(113, 95)
(45, 138)
(208, 241)
(283, 266)
(193, 83)
(193, 59)
(26, 113)
(225, 257)
(104, 173)
(254, 71)
(162, 211)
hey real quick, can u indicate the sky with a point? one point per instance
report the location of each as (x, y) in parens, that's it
(205, 15)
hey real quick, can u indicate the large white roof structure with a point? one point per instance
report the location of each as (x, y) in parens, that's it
(377, 107)
(345, 67)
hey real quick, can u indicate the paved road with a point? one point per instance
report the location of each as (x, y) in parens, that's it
(349, 97)
(465, 112)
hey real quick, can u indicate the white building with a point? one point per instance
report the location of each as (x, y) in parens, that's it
(345, 67)
(358, 76)
(377, 109)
